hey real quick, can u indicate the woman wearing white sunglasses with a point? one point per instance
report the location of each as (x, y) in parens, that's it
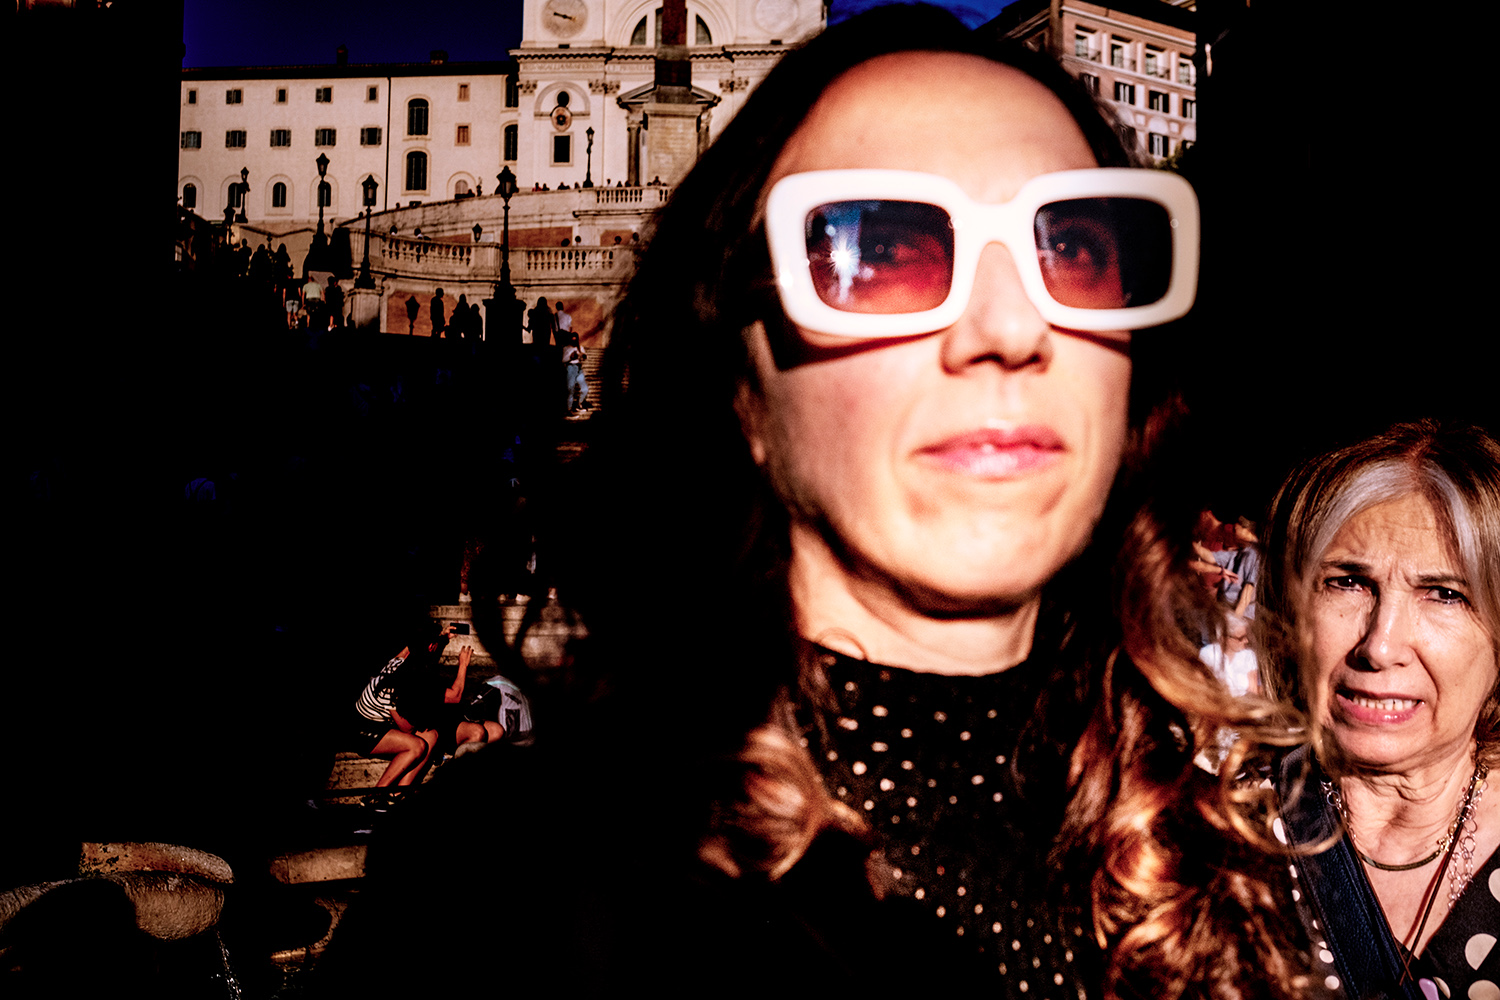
(854, 588)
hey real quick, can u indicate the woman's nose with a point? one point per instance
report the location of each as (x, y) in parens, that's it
(1000, 323)
(1387, 643)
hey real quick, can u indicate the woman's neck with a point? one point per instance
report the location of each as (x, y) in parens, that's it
(1399, 817)
(866, 617)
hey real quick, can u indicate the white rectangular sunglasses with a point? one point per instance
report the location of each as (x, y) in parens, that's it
(892, 253)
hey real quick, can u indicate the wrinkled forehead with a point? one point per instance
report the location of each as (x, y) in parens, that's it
(988, 126)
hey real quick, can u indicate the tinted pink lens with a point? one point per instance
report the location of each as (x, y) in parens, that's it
(1104, 253)
(880, 256)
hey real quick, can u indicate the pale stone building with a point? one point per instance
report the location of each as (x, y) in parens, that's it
(588, 64)
(434, 131)
(424, 131)
(1136, 55)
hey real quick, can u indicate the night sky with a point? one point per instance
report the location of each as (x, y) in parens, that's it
(299, 32)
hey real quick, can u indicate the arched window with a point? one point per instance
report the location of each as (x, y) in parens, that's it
(325, 194)
(190, 195)
(461, 187)
(416, 171)
(236, 195)
(278, 195)
(416, 117)
(512, 143)
(638, 37)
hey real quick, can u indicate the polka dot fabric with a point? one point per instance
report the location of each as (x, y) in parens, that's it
(928, 760)
(1461, 961)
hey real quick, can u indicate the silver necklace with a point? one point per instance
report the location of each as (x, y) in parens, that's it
(1460, 839)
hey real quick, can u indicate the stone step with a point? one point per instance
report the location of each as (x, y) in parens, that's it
(543, 646)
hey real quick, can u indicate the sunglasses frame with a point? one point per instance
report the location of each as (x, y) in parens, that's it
(975, 226)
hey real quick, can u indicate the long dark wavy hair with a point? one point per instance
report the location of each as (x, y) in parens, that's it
(687, 593)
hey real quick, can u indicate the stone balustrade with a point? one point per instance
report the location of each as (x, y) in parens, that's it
(649, 197)
(440, 261)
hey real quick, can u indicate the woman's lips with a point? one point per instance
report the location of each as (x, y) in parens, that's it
(996, 454)
(1374, 708)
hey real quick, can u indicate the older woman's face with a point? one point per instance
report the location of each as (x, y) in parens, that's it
(964, 467)
(1402, 664)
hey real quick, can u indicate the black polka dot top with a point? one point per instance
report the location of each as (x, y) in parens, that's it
(931, 762)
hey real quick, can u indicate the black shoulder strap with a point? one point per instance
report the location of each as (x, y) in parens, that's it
(1350, 916)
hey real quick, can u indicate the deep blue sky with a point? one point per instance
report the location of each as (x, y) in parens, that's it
(294, 32)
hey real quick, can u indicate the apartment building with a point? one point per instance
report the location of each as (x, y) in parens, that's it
(1135, 55)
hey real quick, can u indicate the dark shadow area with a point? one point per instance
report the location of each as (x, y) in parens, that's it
(1345, 254)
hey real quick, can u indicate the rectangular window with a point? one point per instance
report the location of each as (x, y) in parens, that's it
(1156, 63)
(562, 150)
(234, 96)
(1125, 92)
(1090, 82)
(1117, 55)
(281, 137)
(192, 140)
(512, 92)
(192, 97)
(234, 139)
(1185, 72)
(416, 171)
(372, 94)
(1156, 144)
(512, 142)
(1083, 45)
(326, 137)
(324, 95)
(280, 95)
(462, 137)
(1189, 107)
(463, 91)
(369, 137)
(1158, 101)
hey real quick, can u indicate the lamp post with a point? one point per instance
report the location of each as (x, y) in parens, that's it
(503, 308)
(588, 170)
(321, 239)
(244, 193)
(507, 191)
(365, 279)
(478, 231)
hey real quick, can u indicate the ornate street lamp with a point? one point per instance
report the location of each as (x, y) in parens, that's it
(365, 279)
(321, 239)
(478, 231)
(244, 193)
(507, 190)
(588, 170)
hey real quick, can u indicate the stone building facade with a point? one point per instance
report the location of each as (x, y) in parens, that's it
(435, 131)
(1137, 56)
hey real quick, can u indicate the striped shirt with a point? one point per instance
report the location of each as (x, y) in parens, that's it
(379, 697)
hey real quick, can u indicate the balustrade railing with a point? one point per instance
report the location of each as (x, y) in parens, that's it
(649, 196)
(407, 257)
